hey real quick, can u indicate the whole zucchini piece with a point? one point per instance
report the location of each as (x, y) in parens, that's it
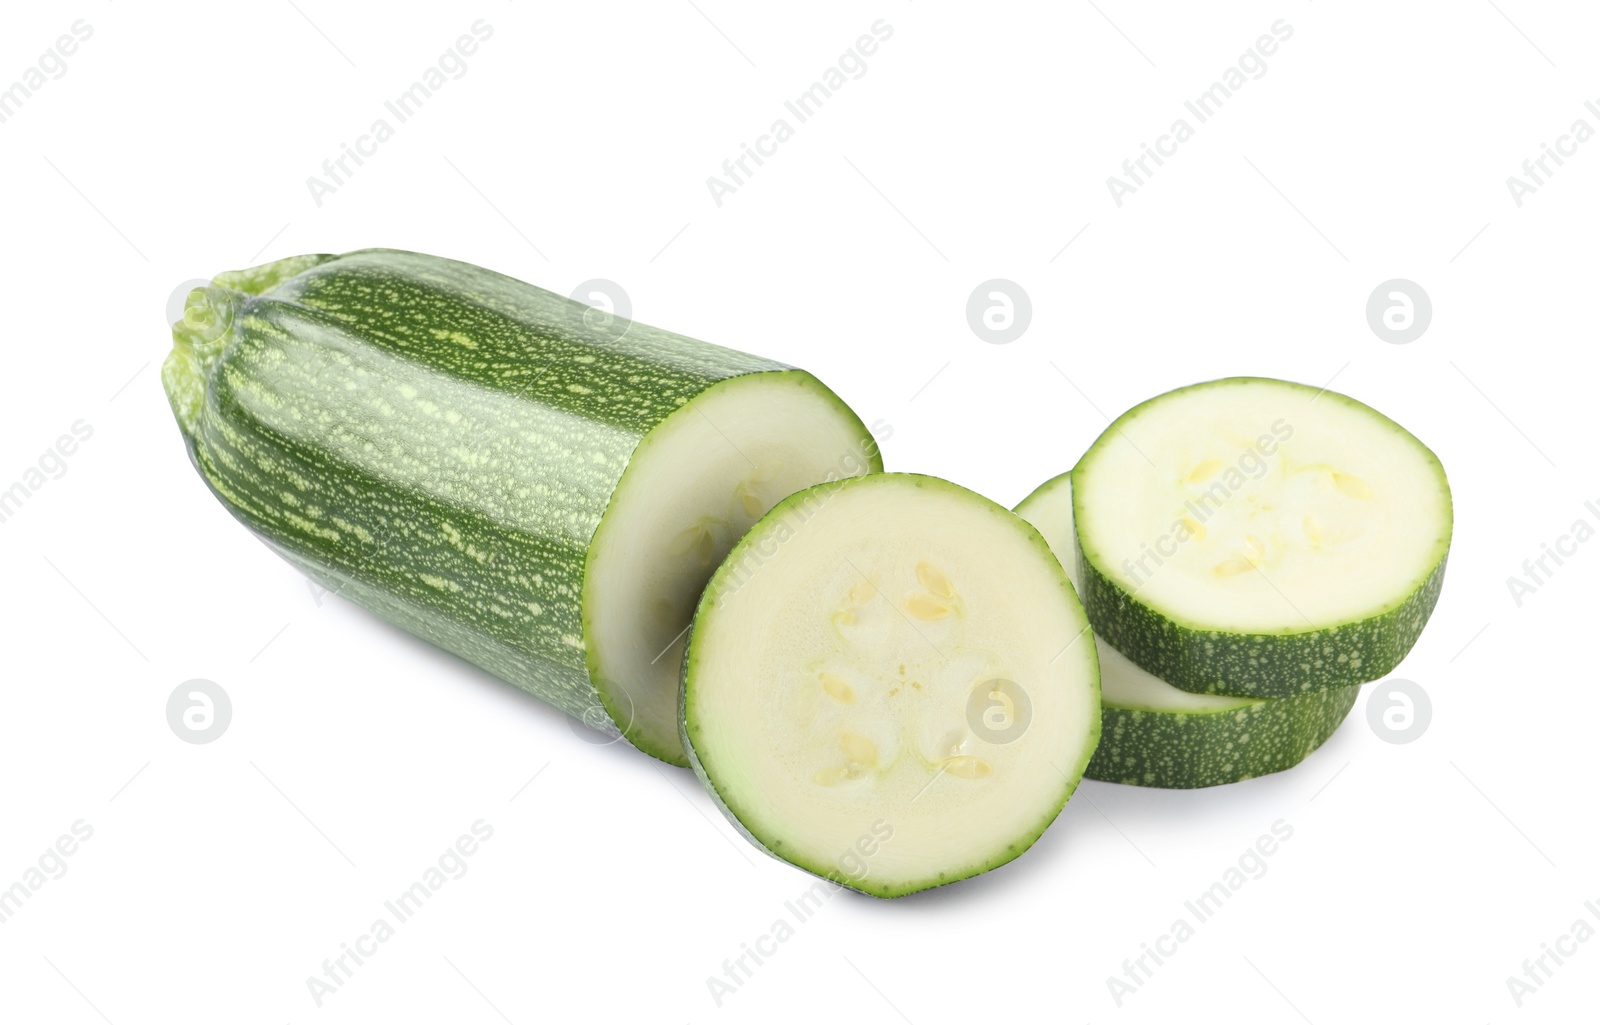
(520, 479)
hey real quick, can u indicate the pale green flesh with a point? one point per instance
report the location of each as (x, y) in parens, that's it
(474, 460)
(831, 674)
(694, 486)
(1154, 734)
(1260, 535)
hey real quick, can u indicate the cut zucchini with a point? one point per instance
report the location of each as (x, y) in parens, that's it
(514, 476)
(1262, 536)
(890, 683)
(1153, 734)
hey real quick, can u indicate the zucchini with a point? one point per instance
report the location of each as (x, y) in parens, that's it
(1258, 535)
(489, 466)
(1152, 734)
(890, 684)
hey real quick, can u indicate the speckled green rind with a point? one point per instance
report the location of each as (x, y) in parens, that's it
(771, 528)
(1184, 751)
(436, 442)
(1277, 665)
(1256, 665)
(1154, 747)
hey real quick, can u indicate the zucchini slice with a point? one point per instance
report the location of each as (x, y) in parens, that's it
(1153, 734)
(494, 467)
(890, 683)
(1258, 535)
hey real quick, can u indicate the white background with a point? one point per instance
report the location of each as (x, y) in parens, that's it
(1377, 145)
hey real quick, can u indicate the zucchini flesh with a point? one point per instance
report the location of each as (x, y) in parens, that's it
(1153, 734)
(469, 457)
(1260, 535)
(890, 683)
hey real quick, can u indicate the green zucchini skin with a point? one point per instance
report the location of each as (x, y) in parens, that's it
(1187, 751)
(436, 442)
(1256, 665)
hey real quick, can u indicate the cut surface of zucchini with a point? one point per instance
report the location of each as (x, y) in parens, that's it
(896, 663)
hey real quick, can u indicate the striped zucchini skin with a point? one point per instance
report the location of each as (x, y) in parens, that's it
(1186, 751)
(437, 442)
